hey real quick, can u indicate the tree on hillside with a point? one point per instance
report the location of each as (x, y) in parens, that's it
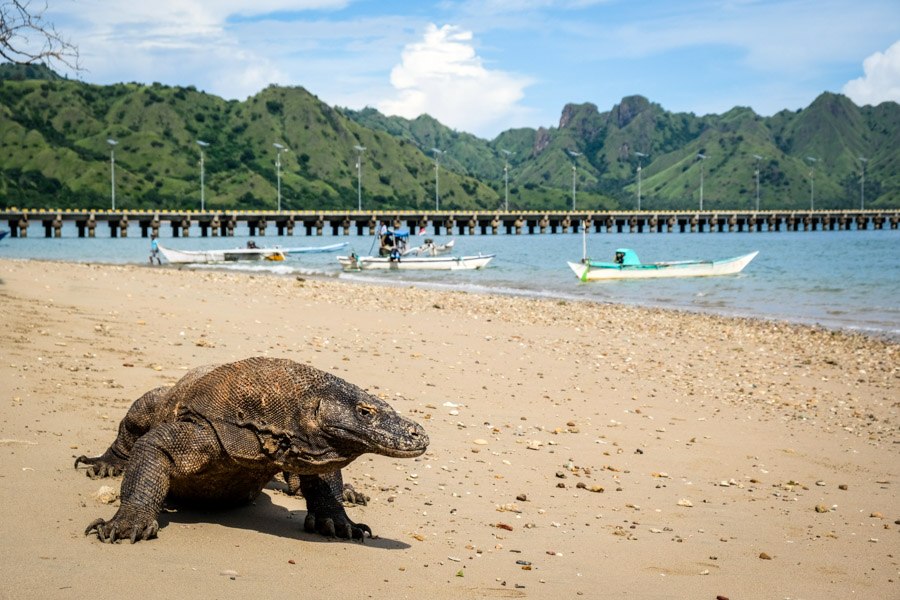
(27, 38)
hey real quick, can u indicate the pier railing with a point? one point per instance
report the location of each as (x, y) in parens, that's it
(315, 223)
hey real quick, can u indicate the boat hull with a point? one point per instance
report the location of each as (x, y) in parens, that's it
(218, 256)
(415, 263)
(602, 271)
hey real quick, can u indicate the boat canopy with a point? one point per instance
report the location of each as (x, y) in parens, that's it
(627, 256)
(399, 233)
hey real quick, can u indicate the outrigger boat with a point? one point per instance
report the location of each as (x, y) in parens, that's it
(410, 263)
(216, 256)
(628, 266)
(241, 254)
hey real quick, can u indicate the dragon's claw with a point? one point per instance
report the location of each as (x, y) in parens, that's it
(125, 525)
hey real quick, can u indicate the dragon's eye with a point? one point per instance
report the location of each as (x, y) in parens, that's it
(365, 410)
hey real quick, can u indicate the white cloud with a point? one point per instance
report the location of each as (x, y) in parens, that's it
(185, 42)
(443, 76)
(881, 80)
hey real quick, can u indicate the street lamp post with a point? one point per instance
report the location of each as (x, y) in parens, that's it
(812, 178)
(112, 170)
(862, 183)
(280, 148)
(359, 151)
(506, 178)
(640, 156)
(574, 156)
(758, 158)
(202, 145)
(437, 183)
(702, 157)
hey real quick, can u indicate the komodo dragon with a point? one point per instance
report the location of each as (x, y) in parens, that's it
(220, 434)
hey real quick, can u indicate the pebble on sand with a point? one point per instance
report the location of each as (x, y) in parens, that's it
(106, 494)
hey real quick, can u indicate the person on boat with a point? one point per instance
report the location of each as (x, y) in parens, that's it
(620, 258)
(386, 245)
(154, 250)
(251, 245)
(428, 248)
(395, 254)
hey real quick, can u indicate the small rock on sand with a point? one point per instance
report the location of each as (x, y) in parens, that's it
(106, 494)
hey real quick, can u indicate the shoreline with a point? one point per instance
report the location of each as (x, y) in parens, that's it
(620, 451)
(819, 284)
(877, 334)
(884, 335)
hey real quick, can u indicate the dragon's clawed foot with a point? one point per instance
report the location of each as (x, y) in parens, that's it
(127, 524)
(336, 525)
(351, 496)
(102, 466)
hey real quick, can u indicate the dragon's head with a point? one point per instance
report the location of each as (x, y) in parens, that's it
(356, 422)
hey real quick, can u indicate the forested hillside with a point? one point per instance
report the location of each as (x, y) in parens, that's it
(54, 153)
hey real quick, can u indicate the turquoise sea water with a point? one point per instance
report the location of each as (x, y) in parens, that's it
(840, 279)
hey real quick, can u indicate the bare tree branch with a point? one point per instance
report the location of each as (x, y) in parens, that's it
(27, 38)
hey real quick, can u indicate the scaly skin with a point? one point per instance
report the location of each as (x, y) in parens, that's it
(220, 434)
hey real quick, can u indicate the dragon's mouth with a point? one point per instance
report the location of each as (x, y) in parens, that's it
(409, 446)
(401, 453)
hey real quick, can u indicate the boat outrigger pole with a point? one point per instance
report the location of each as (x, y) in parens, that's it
(375, 239)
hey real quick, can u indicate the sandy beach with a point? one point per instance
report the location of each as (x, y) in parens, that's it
(576, 449)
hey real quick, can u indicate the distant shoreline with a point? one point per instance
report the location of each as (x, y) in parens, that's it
(557, 299)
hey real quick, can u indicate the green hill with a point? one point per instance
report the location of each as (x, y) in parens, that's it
(832, 130)
(54, 153)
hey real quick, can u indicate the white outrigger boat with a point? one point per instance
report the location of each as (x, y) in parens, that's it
(410, 263)
(216, 256)
(241, 254)
(628, 266)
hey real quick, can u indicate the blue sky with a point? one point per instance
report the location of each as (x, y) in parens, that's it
(486, 66)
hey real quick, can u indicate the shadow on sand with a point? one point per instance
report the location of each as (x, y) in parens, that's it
(266, 517)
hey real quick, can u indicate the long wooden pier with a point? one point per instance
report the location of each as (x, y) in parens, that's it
(315, 223)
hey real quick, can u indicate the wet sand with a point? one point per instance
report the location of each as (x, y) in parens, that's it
(577, 449)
